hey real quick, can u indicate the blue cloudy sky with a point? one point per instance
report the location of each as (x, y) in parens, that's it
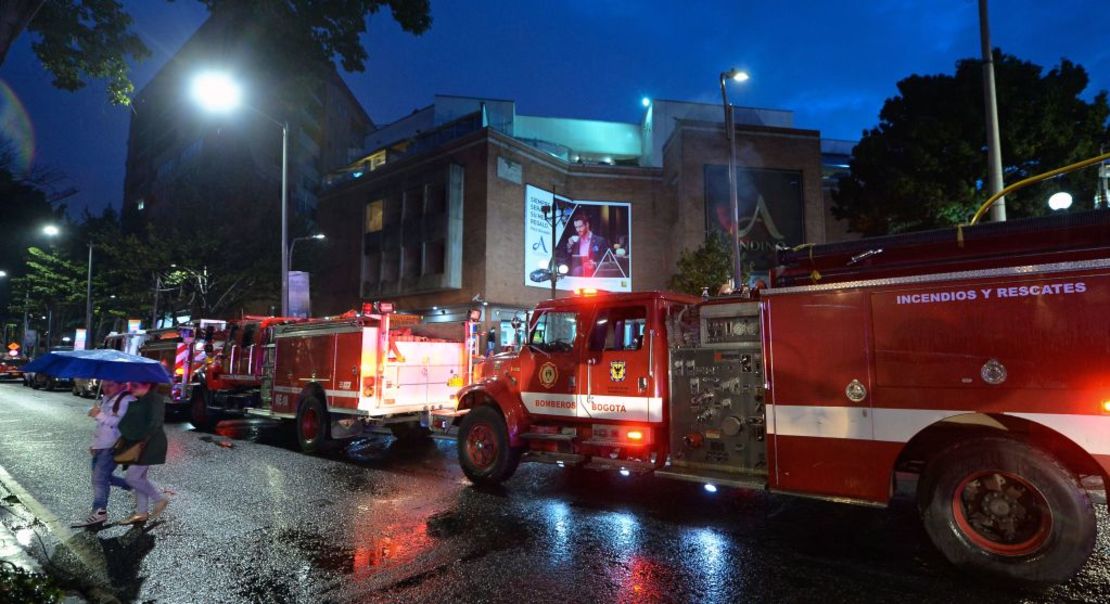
(832, 63)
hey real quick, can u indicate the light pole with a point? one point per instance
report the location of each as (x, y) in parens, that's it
(994, 151)
(88, 302)
(554, 269)
(293, 245)
(219, 93)
(50, 231)
(4, 275)
(734, 205)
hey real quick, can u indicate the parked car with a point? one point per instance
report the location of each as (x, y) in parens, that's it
(47, 382)
(86, 387)
(11, 368)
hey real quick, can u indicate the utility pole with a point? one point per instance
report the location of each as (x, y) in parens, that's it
(88, 304)
(154, 313)
(554, 259)
(994, 151)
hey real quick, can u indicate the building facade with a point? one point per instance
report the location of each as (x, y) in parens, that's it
(453, 205)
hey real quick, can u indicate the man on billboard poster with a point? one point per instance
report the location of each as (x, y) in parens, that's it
(585, 248)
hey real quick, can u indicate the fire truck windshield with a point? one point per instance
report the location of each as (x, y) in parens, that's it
(554, 331)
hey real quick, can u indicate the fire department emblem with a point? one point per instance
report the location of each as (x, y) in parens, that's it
(617, 370)
(548, 374)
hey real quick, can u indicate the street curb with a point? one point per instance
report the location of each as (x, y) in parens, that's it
(68, 541)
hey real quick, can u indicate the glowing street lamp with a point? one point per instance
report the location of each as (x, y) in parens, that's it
(1059, 201)
(293, 246)
(735, 75)
(51, 230)
(218, 92)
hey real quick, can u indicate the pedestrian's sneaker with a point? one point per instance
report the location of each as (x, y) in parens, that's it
(96, 518)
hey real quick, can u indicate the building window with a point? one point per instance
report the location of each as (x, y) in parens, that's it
(410, 262)
(437, 199)
(372, 269)
(435, 254)
(391, 260)
(414, 202)
(374, 216)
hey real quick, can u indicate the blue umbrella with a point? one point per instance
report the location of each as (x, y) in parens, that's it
(103, 363)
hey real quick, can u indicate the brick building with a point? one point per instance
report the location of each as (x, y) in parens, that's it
(447, 205)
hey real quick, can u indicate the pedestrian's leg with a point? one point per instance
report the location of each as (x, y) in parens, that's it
(102, 469)
(116, 480)
(144, 491)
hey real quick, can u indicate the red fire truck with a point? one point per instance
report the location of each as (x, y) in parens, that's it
(975, 358)
(182, 351)
(337, 377)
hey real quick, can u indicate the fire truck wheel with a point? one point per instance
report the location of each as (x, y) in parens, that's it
(1002, 507)
(199, 414)
(484, 452)
(313, 425)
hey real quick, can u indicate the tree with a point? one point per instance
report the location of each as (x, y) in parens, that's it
(708, 266)
(78, 40)
(925, 164)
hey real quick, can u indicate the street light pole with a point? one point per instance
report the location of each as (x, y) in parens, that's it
(994, 151)
(218, 92)
(88, 302)
(284, 218)
(734, 204)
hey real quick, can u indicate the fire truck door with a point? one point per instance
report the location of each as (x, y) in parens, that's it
(821, 384)
(618, 381)
(549, 364)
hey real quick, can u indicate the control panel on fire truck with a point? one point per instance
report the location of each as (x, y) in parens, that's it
(717, 414)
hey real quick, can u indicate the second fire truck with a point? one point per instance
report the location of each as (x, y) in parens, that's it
(334, 378)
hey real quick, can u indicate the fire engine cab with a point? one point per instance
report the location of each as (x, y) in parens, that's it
(974, 358)
(336, 377)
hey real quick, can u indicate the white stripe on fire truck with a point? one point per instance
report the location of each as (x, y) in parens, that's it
(335, 393)
(596, 406)
(1091, 432)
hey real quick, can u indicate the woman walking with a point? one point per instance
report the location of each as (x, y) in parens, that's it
(143, 423)
(108, 412)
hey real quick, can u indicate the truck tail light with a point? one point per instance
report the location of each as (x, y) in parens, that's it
(368, 385)
(635, 435)
(1106, 406)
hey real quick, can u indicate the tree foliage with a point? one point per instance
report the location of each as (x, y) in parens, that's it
(708, 266)
(925, 164)
(319, 32)
(79, 40)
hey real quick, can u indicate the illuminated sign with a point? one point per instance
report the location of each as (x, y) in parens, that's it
(590, 248)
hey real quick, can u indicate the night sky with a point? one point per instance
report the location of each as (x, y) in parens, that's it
(832, 63)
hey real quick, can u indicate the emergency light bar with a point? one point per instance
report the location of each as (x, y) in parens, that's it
(379, 307)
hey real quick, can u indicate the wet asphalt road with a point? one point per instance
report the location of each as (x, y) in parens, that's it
(260, 522)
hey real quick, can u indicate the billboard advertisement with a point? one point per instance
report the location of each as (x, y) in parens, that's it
(591, 245)
(770, 204)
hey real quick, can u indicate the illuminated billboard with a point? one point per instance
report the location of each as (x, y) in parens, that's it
(771, 211)
(591, 245)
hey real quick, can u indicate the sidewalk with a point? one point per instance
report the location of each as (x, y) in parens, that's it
(26, 542)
